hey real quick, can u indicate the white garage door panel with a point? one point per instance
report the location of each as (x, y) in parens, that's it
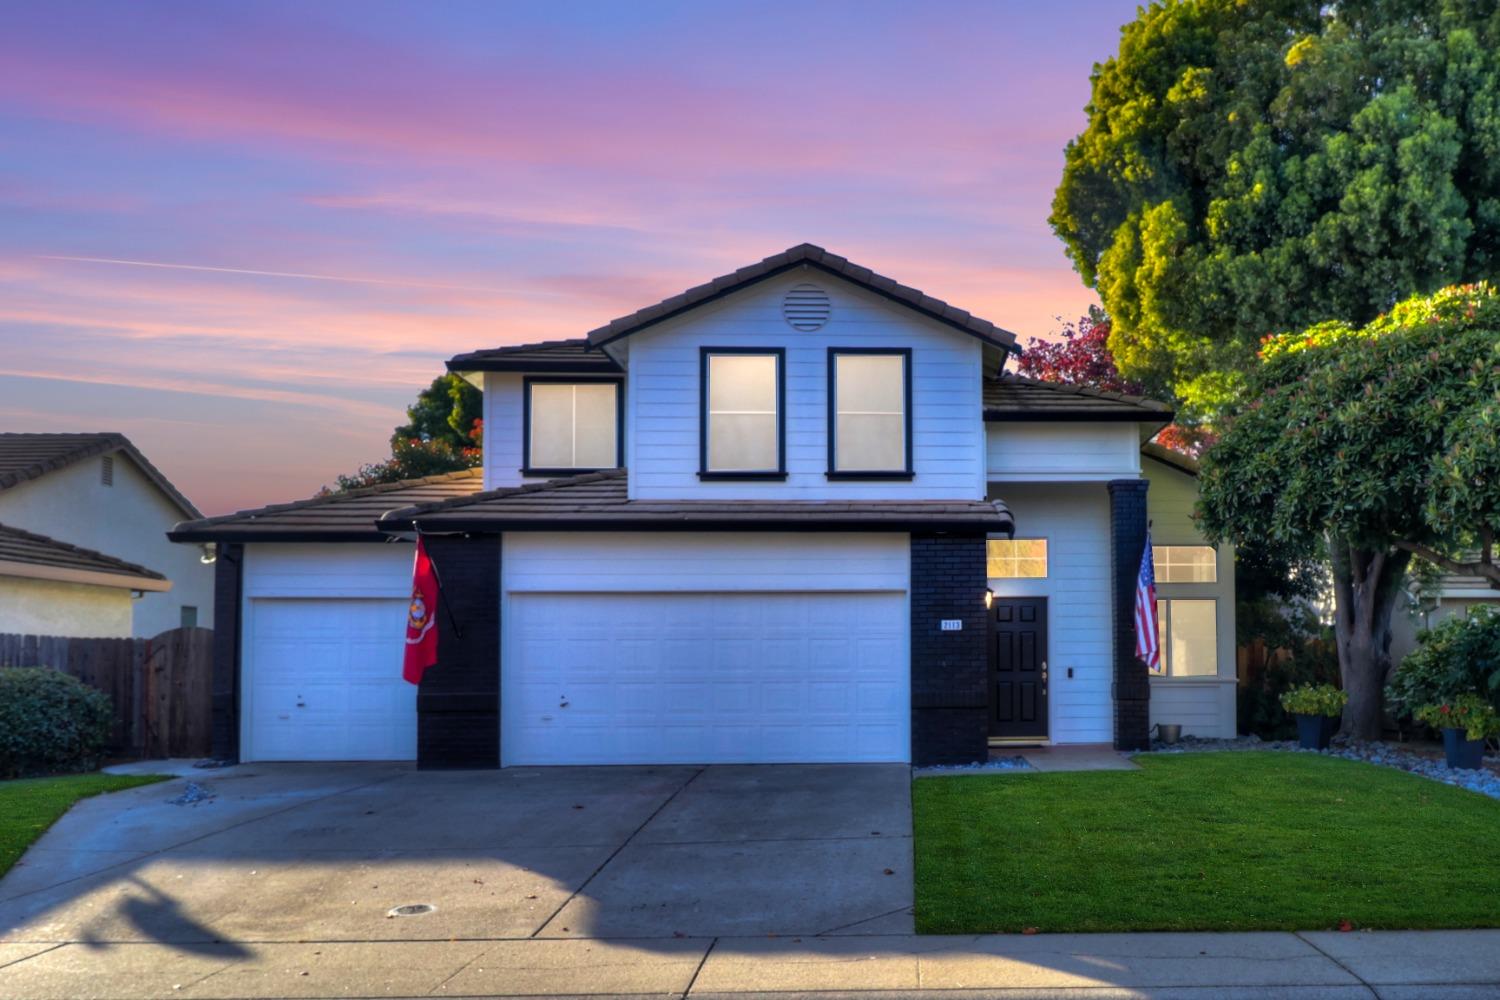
(324, 681)
(705, 678)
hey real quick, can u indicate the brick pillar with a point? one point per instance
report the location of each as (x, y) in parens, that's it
(229, 575)
(949, 670)
(1127, 540)
(458, 702)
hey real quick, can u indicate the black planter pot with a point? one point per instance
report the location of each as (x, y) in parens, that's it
(1462, 752)
(1315, 731)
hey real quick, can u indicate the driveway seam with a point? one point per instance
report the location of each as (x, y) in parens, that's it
(193, 840)
(616, 852)
(770, 840)
(37, 954)
(862, 920)
(699, 970)
(1361, 979)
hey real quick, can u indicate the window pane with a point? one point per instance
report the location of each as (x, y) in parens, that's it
(1161, 639)
(594, 429)
(573, 426)
(742, 421)
(1194, 639)
(870, 407)
(1185, 563)
(551, 426)
(1021, 558)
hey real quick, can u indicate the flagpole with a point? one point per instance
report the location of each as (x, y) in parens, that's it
(458, 633)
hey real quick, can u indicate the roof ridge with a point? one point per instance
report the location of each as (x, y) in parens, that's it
(137, 568)
(1078, 389)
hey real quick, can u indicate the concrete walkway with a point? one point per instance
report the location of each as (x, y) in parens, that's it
(1435, 965)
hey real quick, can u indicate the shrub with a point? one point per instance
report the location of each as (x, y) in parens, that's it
(1265, 681)
(1460, 655)
(1469, 712)
(1315, 699)
(50, 722)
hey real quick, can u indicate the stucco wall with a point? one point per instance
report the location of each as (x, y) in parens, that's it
(47, 607)
(128, 520)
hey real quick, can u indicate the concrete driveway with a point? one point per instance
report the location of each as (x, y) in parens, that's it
(325, 852)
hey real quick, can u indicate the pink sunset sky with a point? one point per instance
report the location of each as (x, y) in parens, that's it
(246, 235)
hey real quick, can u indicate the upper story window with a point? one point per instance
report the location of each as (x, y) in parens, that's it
(1185, 563)
(743, 433)
(571, 425)
(869, 413)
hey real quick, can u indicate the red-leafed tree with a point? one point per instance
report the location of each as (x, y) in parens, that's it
(1082, 357)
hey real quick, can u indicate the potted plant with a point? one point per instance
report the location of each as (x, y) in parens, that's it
(1466, 721)
(1317, 708)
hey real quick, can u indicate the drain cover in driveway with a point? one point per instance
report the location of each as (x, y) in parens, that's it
(410, 910)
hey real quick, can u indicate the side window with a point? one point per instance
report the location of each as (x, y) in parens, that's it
(1185, 563)
(571, 426)
(743, 424)
(869, 411)
(1188, 633)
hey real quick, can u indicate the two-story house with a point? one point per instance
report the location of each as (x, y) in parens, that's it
(798, 514)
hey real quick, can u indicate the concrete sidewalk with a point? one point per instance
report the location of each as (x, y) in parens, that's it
(1391, 965)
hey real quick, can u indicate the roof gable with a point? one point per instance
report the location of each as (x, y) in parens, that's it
(28, 456)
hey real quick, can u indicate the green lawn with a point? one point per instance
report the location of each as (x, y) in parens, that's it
(1204, 841)
(30, 805)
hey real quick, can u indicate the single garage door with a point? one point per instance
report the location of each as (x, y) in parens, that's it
(705, 678)
(323, 681)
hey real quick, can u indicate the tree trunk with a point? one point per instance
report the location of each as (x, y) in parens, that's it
(1366, 583)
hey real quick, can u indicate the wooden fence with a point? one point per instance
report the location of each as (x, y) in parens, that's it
(161, 687)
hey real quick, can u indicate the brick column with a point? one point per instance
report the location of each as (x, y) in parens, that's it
(1127, 540)
(949, 670)
(458, 702)
(229, 574)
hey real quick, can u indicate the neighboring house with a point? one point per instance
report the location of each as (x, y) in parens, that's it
(799, 513)
(1452, 595)
(48, 587)
(99, 493)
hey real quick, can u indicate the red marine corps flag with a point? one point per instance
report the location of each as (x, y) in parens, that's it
(421, 618)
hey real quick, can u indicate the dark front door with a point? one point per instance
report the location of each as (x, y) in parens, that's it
(1018, 668)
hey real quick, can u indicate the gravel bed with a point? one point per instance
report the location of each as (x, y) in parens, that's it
(1485, 781)
(996, 764)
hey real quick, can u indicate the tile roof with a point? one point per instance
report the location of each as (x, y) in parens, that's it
(1015, 397)
(27, 456)
(20, 550)
(806, 255)
(568, 356)
(333, 517)
(1171, 456)
(598, 501)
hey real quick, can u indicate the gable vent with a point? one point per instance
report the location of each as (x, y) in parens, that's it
(107, 470)
(806, 308)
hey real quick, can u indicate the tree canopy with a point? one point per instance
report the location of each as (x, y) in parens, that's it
(1254, 168)
(1370, 444)
(443, 433)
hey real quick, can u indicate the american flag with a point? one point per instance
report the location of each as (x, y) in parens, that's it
(1146, 646)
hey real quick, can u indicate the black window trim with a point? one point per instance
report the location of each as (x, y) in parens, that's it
(834, 472)
(527, 469)
(769, 475)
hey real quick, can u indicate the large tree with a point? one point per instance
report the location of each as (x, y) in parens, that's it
(443, 433)
(1369, 445)
(1252, 167)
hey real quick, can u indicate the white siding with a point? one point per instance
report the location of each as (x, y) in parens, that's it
(662, 396)
(1203, 706)
(502, 430)
(129, 521)
(1065, 451)
(713, 562)
(1074, 518)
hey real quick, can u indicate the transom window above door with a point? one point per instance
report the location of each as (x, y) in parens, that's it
(869, 413)
(1016, 559)
(743, 434)
(571, 425)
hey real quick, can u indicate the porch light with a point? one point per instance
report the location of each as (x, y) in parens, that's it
(989, 598)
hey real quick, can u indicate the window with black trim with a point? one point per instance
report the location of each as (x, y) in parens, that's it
(869, 413)
(572, 425)
(743, 431)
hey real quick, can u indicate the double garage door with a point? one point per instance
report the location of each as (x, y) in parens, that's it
(600, 679)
